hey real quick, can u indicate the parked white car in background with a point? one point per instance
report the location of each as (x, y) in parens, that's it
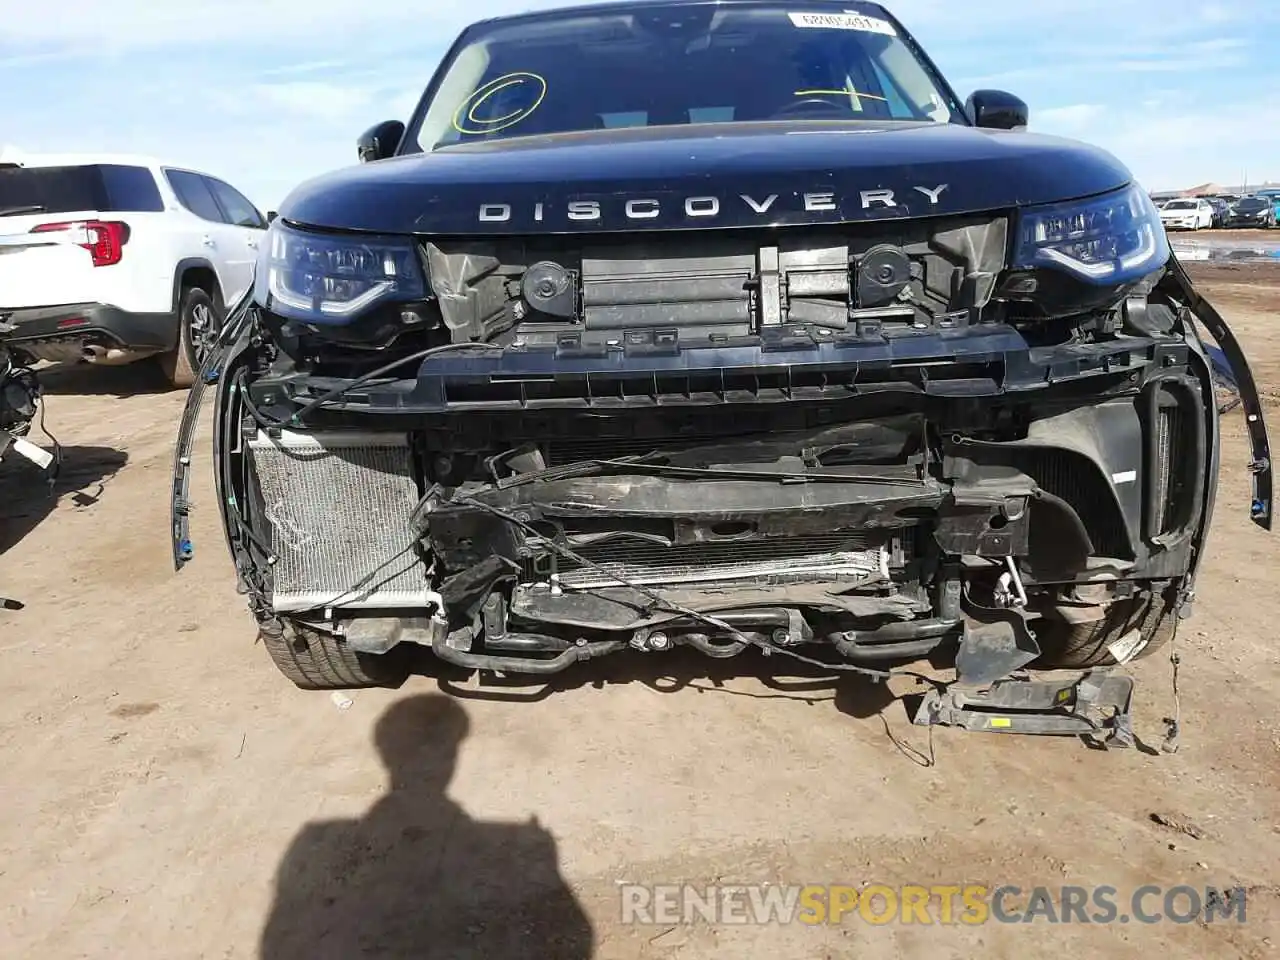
(113, 259)
(1186, 214)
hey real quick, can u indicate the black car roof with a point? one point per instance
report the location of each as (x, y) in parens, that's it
(621, 6)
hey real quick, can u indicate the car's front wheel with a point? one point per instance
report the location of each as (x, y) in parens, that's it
(315, 660)
(199, 322)
(1064, 644)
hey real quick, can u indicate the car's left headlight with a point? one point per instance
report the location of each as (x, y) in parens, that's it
(328, 279)
(1107, 240)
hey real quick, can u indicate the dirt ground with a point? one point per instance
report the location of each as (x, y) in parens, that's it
(167, 794)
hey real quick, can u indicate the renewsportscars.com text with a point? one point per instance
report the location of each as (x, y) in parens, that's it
(967, 904)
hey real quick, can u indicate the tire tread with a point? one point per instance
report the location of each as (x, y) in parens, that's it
(1085, 644)
(314, 660)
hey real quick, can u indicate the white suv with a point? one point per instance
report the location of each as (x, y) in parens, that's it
(116, 258)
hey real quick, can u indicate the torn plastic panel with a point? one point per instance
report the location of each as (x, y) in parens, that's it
(233, 329)
(1260, 466)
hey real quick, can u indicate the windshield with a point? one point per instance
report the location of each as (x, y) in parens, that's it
(1180, 205)
(1251, 204)
(678, 63)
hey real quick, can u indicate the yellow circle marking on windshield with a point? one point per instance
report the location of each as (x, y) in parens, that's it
(838, 93)
(471, 114)
(465, 120)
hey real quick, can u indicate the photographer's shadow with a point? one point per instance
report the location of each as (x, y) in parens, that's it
(416, 877)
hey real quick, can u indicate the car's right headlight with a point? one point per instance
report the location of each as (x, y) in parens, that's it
(328, 279)
(1105, 241)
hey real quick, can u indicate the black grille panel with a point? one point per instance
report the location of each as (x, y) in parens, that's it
(1167, 435)
(1078, 481)
(1174, 460)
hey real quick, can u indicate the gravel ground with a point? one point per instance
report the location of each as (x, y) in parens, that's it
(168, 794)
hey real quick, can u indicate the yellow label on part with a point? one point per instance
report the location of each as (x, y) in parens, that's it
(1001, 722)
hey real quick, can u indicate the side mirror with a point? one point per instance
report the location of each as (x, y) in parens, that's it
(996, 110)
(271, 216)
(380, 141)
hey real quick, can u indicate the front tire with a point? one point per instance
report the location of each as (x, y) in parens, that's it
(1083, 645)
(199, 322)
(315, 660)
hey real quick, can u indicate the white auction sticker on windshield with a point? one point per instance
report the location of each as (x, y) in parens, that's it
(843, 21)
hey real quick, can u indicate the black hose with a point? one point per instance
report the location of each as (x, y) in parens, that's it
(475, 661)
(527, 643)
(915, 639)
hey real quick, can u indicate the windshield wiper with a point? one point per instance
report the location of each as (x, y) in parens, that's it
(29, 208)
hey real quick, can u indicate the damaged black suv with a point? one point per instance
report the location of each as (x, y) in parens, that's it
(720, 324)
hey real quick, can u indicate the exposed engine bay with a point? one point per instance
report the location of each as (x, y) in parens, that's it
(863, 534)
(581, 464)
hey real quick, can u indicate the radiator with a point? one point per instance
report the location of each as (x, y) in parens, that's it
(770, 560)
(338, 507)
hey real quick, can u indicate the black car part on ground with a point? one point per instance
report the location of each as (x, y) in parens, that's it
(21, 402)
(1097, 703)
(19, 392)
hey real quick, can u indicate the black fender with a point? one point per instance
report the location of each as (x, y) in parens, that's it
(1260, 466)
(1247, 389)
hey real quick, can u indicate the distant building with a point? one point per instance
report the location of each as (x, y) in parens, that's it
(1213, 189)
(1206, 190)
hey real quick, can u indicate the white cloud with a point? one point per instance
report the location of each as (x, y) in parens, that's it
(135, 24)
(92, 25)
(1154, 66)
(1067, 120)
(314, 98)
(1218, 13)
(308, 66)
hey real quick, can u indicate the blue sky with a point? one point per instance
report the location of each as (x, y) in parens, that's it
(267, 93)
